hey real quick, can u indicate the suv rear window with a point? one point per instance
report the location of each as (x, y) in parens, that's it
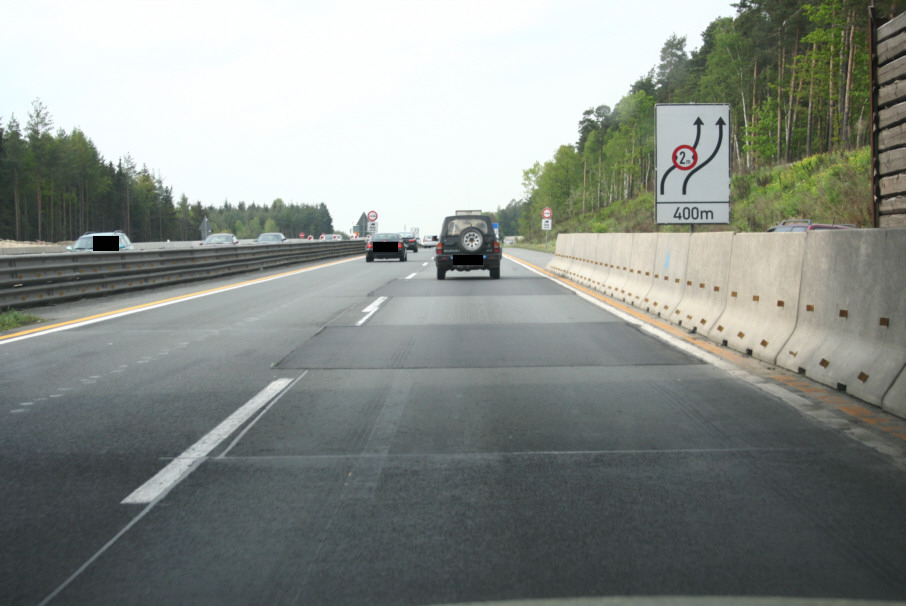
(456, 226)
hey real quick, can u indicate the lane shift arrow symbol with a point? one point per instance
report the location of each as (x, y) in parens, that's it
(720, 137)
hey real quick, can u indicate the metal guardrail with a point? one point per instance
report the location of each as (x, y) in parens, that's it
(29, 280)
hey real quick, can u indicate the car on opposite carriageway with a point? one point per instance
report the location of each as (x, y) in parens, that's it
(101, 241)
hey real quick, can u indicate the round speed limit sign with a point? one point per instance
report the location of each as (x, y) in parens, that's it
(547, 213)
(372, 215)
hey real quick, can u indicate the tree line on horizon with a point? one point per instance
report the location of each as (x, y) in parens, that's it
(795, 73)
(55, 186)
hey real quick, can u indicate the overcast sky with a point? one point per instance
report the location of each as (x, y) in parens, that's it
(410, 108)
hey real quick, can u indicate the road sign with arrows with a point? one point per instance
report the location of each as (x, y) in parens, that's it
(693, 163)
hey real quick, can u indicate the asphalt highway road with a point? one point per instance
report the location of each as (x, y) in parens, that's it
(355, 433)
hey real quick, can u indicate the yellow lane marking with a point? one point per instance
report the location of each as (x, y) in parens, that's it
(47, 327)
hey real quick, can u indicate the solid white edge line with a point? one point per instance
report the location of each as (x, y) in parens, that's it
(181, 466)
(820, 414)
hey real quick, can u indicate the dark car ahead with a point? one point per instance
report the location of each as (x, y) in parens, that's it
(410, 240)
(385, 246)
(467, 243)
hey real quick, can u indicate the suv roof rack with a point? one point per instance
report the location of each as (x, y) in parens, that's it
(469, 212)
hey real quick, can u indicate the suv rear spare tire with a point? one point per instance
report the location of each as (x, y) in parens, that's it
(471, 239)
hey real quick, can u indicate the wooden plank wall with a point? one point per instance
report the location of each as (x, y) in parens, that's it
(890, 123)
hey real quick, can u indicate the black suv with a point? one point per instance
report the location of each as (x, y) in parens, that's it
(467, 242)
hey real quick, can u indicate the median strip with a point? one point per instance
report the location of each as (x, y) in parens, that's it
(51, 328)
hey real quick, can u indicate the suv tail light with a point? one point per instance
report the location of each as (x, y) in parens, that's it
(439, 248)
(496, 246)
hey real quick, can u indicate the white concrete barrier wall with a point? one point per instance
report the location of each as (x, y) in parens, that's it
(620, 259)
(641, 268)
(851, 328)
(603, 245)
(669, 279)
(562, 259)
(705, 288)
(586, 265)
(763, 293)
(830, 305)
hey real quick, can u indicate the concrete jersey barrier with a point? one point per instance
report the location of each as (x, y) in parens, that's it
(602, 252)
(562, 259)
(763, 294)
(829, 304)
(585, 265)
(851, 329)
(705, 288)
(641, 268)
(619, 262)
(669, 279)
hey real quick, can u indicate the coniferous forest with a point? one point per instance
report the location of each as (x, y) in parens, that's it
(55, 185)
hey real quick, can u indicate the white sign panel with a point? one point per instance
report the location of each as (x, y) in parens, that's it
(546, 224)
(692, 144)
(372, 227)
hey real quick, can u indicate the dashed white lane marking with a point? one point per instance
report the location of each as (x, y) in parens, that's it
(184, 464)
(371, 309)
(410, 276)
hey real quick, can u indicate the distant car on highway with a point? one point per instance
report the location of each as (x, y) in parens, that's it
(220, 240)
(429, 241)
(819, 226)
(270, 238)
(385, 246)
(107, 241)
(791, 225)
(410, 240)
(806, 225)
